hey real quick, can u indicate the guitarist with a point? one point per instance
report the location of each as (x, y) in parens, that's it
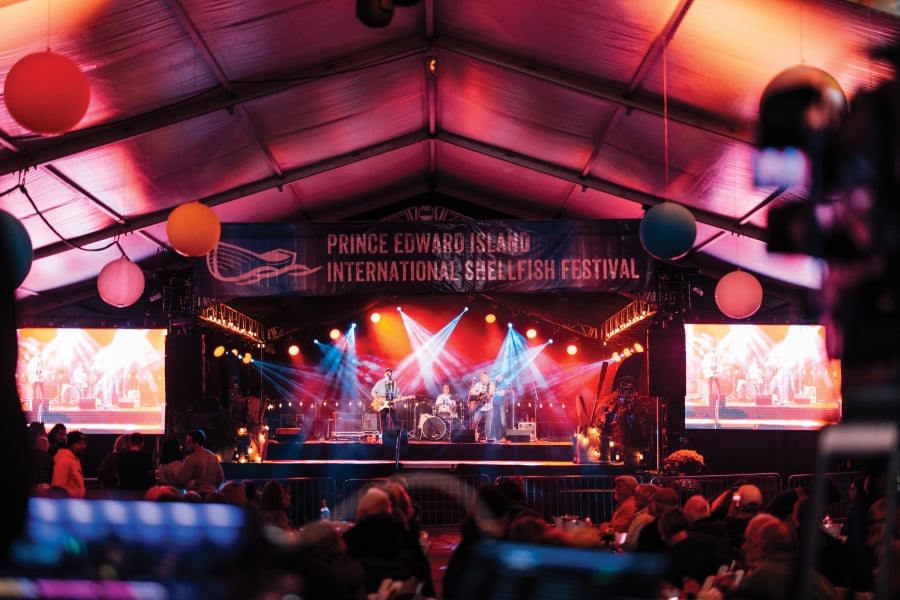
(480, 403)
(384, 392)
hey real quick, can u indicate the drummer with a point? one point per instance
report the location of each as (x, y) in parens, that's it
(444, 404)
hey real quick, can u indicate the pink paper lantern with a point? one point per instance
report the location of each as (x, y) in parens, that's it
(193, 229)
(739, 294)
(121, 282)
(46, 93)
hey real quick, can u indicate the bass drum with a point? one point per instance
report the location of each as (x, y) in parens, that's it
(434, 429)
(746, 391)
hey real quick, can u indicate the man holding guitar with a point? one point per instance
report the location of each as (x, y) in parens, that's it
(384, 393)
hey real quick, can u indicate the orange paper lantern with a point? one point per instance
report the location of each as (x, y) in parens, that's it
(121, 282)
(739, 294)
(193, 229)
(46, 93)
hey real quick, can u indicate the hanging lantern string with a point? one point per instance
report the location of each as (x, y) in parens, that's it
(21, 187)
(665, 116)
(737, 245)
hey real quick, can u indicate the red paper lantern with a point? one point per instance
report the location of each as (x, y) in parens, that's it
(739, 295)
(46, 93)
(121, 282)
(193, 229)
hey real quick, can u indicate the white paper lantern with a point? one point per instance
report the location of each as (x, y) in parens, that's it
(739, 294)
(121, 282)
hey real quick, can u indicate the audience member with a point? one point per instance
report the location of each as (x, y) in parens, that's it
(649, 539)
(747, 503)
(233, 493)
(67, 472)
(876, 543)
(827, 548)
(772, 551)
(384, 546)
(691, 560)
(201, 470)
(643, 495)
(274, 506)
(135, 465)
(163, 493)
(108, 469)
(488, 517)
(624, 487)
(41, 473)
(707, 529)
(57, 438)
(170, 462)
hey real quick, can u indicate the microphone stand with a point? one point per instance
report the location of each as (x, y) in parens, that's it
(535, 392)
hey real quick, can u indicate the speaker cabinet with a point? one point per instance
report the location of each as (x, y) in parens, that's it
(463, 436)
(389, 437)
(518, 435)
(764, 399)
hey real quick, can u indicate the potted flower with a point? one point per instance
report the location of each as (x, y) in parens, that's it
(684, 462)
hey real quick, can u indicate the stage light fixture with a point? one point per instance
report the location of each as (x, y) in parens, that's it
(399, 309)
(219, 351)
(316, 341)
(294, 349)
(490, 318)
(334, 334)
(352, 325)
(376, 316)
(571, 349)
(626, 352)
(638, 347)
(616, 357)
(247, 358)
(466, 309)
(509, 325)
(531, 333)
(550, 341)
(234, 351)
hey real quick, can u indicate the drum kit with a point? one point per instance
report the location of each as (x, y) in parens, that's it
(438, 424)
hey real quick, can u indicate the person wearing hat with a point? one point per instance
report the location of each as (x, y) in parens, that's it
(624, 487)
(67, 472)
(384, 393)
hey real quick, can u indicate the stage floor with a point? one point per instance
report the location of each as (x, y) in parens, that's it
(351, 459)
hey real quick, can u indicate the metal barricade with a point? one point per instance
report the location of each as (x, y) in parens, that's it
(711, 486)
(581, 496)
(306, 494)
(441, 499)
(836, 510)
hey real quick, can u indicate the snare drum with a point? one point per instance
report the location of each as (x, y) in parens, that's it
(445, 411)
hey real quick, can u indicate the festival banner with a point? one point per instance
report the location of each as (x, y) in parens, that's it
(405, 257)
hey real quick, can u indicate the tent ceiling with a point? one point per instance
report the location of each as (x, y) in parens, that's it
(294, 110)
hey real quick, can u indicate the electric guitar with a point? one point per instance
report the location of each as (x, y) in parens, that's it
(380, 403)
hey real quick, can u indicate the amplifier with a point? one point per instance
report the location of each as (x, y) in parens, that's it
(519, 435)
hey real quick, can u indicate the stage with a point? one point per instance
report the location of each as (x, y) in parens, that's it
(442, 475)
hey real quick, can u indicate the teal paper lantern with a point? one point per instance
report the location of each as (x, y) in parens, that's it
(668, 231)
(16, 246)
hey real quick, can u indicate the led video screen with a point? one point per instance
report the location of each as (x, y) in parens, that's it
(760, 377)
(94, 380)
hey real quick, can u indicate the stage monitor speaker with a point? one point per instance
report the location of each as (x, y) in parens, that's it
(289, 435)
(389, 437)
(764, 399)
(463, 436)
(518, 435)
